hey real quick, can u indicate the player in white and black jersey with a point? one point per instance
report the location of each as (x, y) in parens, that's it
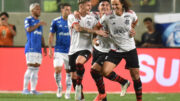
(80, 48)
(100, 51)
(121, 25)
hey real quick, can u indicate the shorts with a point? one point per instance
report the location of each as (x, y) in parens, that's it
(130, 57)
(60, 59)
(33, 58)
(98, 57)
(73, 57)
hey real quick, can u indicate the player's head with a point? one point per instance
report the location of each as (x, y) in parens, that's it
(84, 6)
(104, 6)
(65, 9)
(120, 5)
(148, 22)
(4, 16)
(35, 9)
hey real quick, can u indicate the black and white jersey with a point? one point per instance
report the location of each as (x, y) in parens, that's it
(119, 28)
(79, 40)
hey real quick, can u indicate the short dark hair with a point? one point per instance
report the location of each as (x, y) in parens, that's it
(103, 1)
(147, 19)
(82, 1)
(64, 4)
(4, 13)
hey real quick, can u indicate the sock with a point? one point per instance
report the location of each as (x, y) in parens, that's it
(27, 77)
(114, 77)
(80, 72)
(68, 81)
(138, 89)
(98, 80)
(74, 83)
(58, 79)
(74, 86)
(34, 78)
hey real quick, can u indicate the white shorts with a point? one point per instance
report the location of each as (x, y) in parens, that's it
(33, 58)
(60, 59)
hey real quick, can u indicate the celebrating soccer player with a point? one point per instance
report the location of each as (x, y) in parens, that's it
(35, 41)
(121, 25)
(59, 27)
(80, 49)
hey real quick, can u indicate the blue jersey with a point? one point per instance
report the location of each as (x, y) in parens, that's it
(59, 26)
(34, 38)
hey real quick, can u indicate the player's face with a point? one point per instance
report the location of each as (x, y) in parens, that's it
(117, 6)
(36, 11)
(148, 24)
(87, 7)
(104, 7)
(66, 11)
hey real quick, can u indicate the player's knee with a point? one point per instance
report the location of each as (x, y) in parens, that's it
(134, 74)
(58, 70)
(67, 71)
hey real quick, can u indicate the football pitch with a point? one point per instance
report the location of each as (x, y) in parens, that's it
(89, 97)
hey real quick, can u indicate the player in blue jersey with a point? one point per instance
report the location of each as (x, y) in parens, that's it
(35, 41)
(59, 27)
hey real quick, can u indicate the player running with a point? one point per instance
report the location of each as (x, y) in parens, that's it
(80, 49)
(59, 27)
(34, 31)
(121, 25)
(100, 51)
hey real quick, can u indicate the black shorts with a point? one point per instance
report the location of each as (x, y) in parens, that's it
(130, 57)
(73, 57)
(98, 57)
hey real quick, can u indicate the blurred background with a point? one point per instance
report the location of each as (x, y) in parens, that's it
(19, 9)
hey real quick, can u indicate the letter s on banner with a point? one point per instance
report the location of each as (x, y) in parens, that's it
(144, 68)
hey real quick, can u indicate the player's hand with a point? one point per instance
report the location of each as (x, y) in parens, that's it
(96, 41)
(132, 32)
(50, 53)
(77, 15)
(42, 23)
(45, 51)
(102, 33)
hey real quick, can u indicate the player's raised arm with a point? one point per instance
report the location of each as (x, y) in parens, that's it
(32, 28)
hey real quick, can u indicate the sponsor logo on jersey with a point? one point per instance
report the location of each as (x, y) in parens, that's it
(64, 34)
(38, 32)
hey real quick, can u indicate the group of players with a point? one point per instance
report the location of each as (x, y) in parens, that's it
(107, 34)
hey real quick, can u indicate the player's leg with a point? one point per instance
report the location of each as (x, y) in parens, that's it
(68, 77)
(112, 60)
(96, 73)
(132, 64)
(80, 61)
(37, 59)
(58, 63)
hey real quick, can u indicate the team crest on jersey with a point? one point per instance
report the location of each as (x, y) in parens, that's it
(112, 17)
(89, 23)
(127, 21)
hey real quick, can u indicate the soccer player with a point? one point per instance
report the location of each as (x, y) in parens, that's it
(59, 27)
(121, 25)
(80, 48)
(100, 51)
(35, 41)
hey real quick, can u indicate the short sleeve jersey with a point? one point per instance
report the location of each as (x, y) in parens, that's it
(34, 37)
(80, 40)
(104, 42)
(59, 26)
(120, 27)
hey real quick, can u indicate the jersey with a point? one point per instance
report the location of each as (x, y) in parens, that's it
(59, 26)
(34, 38)
(119, 28)
(104, 42)
(81, 40)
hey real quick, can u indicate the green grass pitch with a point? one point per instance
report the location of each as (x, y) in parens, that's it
(89, 97)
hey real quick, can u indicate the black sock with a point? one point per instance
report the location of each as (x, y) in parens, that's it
(80, 72)
(114, 77)
(138, 89)
(74, 83)
(98, 78)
